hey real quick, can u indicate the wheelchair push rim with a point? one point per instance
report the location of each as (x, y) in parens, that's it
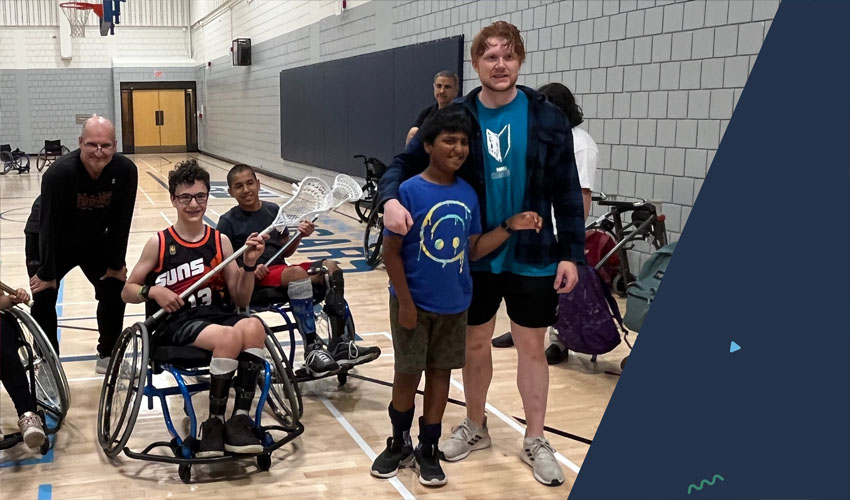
(123, 385)
(52, 392)
(284, 399)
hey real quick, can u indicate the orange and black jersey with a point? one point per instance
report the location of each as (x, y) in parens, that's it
(182, 263)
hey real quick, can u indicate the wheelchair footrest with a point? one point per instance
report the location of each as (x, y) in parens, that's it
(146, 455)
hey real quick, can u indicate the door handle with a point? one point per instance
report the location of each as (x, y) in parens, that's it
(160, 117)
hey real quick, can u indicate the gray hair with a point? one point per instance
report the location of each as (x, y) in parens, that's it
(448, 74)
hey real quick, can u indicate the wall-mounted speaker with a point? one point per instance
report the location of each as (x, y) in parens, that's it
(241, 52)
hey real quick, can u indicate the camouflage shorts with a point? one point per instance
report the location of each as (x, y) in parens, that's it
(437, 341)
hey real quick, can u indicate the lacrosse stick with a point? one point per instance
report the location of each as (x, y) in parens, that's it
(310, 199)
(11, 291)
(344, 189)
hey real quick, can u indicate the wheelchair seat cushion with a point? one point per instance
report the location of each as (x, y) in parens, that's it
(265, 296)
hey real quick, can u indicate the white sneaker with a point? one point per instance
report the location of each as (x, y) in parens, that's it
(466, 438)
(101, 365)
(539, 454)
(31, 430)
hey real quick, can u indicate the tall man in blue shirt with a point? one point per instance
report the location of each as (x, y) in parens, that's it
(520, 158)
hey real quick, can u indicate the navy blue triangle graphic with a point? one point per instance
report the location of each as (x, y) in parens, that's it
(764, 260)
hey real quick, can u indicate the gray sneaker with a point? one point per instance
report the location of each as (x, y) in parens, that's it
(539, 454)
(101, 365)
(466, 438)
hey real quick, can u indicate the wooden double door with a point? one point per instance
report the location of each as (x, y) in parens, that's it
(158, 117)
(159, 121)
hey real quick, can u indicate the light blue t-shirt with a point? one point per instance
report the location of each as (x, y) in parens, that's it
(435, 251)
(504, 132)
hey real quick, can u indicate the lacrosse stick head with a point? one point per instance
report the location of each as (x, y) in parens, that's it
(311, 198)
(345, 189)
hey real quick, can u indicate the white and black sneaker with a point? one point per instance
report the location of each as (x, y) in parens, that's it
(318, 360)
(212, 439)
(349, 354)
(466, 438)
(539, 454)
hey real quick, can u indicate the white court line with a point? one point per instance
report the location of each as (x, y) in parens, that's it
(85, 379)
(405, 493)
(166, 218)
(492, 409)
(146, 195)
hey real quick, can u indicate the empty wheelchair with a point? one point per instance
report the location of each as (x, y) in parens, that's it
(136, 361)
(49, 153)
(13, 160)
(48, 383)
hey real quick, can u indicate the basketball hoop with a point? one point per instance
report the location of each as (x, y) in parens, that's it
(78, 13)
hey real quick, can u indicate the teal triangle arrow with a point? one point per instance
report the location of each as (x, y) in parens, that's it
(734, 347)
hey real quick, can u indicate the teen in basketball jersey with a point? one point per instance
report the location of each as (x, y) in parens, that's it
(172, 260)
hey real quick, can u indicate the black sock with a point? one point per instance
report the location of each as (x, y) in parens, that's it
(402, 421)
(429, 434)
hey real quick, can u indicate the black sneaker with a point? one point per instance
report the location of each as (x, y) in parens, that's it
(428, 463)
(555, 355)
(212, 439)
(318, 360)
(239, 435)
(396, 455)
(350, 354)
(503, 340)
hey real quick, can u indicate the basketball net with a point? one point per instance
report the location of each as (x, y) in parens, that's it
(77, 14)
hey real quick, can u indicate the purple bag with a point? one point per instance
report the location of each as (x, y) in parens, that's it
(588, 316)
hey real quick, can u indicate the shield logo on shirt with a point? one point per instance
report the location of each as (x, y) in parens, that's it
(499, 145)
(172, 249)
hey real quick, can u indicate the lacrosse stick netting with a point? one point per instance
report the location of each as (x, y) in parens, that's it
(345, 189)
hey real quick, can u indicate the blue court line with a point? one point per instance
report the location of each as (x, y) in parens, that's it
(45, 492)
(72, 359)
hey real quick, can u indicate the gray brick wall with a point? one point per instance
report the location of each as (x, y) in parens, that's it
(9, 127)
(658, 80)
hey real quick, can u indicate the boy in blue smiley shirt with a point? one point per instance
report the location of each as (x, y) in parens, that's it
(431, 289)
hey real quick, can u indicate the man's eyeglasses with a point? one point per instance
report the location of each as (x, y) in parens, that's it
(107, 146)
(186, 198)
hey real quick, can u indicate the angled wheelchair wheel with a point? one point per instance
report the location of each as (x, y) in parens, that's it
(51, 385)
(46, 158)
(9, 162)
(284, 396)
(373, 238)
(121, 393)
(323, 326)
(364, 206)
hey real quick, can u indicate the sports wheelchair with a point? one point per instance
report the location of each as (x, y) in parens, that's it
(130, 377)
(13, 160)
(49, 153)
(48, 383)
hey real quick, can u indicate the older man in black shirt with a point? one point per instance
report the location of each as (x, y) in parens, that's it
(84, 214)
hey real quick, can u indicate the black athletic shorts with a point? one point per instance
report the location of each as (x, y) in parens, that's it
(184, 327)
(531, 301)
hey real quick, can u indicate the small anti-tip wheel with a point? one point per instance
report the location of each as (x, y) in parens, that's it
(342, 378)
(45, 446)
(185, 472)
(623, 363)
(264, 462)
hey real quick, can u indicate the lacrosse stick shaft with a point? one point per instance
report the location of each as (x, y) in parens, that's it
(11, 291)
(285, 247)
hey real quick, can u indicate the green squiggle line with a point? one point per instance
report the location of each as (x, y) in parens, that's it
(702, 483)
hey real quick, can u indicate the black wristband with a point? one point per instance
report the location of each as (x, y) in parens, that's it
(250, 269)
(144, 291)
(506, 227)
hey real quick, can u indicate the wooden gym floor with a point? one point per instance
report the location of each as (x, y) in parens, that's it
(345, 427)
